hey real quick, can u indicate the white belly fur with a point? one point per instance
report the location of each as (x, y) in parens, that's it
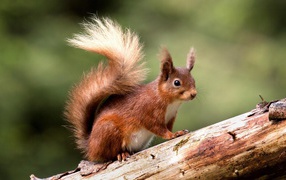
(140, 140)
(172, 110)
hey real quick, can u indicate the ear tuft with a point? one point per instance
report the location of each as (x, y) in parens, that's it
(166, 64)
(191, 58)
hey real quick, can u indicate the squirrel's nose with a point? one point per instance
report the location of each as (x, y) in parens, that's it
(193, 94)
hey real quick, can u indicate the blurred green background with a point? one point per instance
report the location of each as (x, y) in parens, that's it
(240, 45)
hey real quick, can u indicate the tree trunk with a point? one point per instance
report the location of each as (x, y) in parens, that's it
(246, 146)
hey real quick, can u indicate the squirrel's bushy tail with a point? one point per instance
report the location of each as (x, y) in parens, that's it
(120, 75)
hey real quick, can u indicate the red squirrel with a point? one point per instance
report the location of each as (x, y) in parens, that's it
(113, 114)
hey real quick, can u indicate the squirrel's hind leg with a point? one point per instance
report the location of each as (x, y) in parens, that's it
(105, 142)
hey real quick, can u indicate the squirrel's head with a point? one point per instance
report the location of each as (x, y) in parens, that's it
(177, 83)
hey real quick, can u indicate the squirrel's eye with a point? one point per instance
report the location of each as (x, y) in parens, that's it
(177, 83)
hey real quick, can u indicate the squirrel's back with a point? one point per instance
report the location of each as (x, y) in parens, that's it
(123, 72)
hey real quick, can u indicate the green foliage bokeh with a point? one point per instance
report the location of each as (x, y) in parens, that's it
(240, 47)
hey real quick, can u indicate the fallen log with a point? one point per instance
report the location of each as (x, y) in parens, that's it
(246, 146)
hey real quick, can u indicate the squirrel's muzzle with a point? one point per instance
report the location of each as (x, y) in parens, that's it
(189, 95)
(193, 94)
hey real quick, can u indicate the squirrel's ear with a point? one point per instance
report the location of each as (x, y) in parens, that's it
(166, 64)
(191, 58)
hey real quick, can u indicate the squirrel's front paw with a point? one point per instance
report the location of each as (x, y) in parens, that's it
(180, 133)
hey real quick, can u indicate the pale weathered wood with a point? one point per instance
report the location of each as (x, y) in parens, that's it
(240, 147)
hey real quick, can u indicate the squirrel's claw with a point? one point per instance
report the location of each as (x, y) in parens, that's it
(123, 156)
(180, 133)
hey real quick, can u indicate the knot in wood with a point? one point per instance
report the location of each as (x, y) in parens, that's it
(277, 110)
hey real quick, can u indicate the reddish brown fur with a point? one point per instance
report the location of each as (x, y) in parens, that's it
(132, 113)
